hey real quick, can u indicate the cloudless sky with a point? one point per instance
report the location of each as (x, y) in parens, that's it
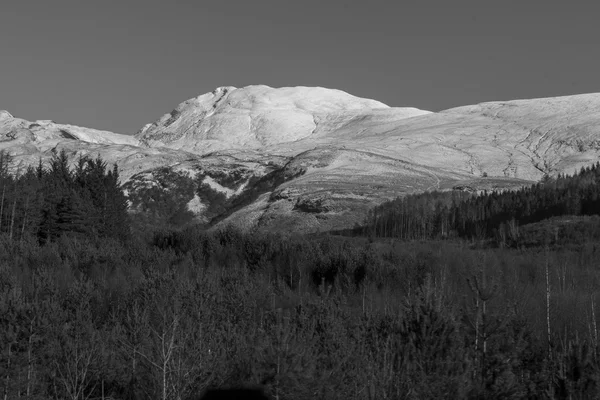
(117, 65)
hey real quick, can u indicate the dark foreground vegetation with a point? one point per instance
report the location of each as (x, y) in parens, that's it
(168, 315)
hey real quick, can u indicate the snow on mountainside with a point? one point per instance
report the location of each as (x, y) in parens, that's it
(44, 131)
(29, 141)
(310, 159)
(257, 116)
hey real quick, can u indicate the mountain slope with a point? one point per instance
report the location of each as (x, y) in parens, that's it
(29, 141)
(257, 116)
(310, 159)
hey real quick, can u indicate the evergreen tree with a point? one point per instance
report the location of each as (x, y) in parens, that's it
(431, 215)
(86, 200)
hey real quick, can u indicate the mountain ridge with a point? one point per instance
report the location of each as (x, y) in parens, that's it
(309, 159)
(259, 115)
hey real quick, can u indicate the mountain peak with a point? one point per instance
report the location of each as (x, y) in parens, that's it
(5, 115)
(256, 116)
(223, 89)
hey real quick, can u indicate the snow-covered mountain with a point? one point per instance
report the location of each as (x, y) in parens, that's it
(309, 159)
(256, 117)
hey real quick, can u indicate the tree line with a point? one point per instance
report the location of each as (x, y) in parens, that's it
(57, 199)
(494, 214)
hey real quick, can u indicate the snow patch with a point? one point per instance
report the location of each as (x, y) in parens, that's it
(129, 202)
(214, 185)
(195, 205)
(5, 115)
(239, 190)
(189, 171)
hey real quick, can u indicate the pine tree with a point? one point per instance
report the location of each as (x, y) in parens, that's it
(72, 215)
(116, 217)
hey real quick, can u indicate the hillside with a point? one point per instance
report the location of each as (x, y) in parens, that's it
(313, 159)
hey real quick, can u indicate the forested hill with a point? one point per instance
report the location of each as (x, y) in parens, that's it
(490, 215)
(169, 314)
(51, 200)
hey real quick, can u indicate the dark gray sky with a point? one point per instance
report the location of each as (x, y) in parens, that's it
(117, 65)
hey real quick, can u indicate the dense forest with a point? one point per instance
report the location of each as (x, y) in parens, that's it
(49, 201)
(493, 215)
(410, 307)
